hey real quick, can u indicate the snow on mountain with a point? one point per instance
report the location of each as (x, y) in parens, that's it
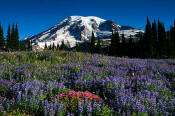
(78, 28)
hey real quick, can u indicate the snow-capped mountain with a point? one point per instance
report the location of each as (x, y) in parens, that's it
(79, 28)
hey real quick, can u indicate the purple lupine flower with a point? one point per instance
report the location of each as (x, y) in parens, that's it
(42, 102)
(89, 107)
(26, 100)
(55, 102)
(123, 114)
(166, 114)
(96, 105)
(60, 107)
(45, 111)
(46, 103)
(70, 114)
(8, 105)
(41, 92)
(119, 111)
(12, 100)
(1, 107)
(19, 96)
(128, 112)
(35, 99)
(31, 101)
(52, 111)
(37, 106)
(80, 106)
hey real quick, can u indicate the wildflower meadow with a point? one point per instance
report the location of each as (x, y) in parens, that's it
(81, 84)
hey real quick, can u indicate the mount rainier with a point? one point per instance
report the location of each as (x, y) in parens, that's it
(78, 29)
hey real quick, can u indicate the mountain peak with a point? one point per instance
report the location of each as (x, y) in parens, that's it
(86, 19)
(75, 28)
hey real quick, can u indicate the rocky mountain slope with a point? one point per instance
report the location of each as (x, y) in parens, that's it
(78, 29)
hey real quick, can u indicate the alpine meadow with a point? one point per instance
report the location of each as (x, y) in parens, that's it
(87, 58)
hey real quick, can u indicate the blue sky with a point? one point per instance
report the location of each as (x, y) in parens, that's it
(35, 16)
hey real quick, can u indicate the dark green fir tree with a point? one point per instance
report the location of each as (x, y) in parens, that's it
(98, 47)
(92, 44)
(68, 45)
(8, 38)
(53, 46)
(16, 46)
(116, 44)
(130, 46)
(13, 41)
(63, 46)
(29, 45)
(154, 39)
(45, 46)
(147, 40)
(57, 46)
(161, 40)
(2, 43)
(173, 40)
(112, 45)
(123, 46)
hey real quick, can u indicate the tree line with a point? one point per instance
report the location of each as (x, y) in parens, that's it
(155, 42)
(54, 46)
(11, 43)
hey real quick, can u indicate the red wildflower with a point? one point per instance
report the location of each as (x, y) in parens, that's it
(105, 70)
(86, 65)
(134, 76)
(35, 59)
(124, 62)
(79, 95)
(129, 76)
(25, 72)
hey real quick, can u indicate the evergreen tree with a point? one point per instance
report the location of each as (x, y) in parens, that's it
(57, 46)
(112, 45)
(174, 32)
(63, 46)
(173, 40)
(92, 45)
(8, 38)
(148, 47)
(68, 45)
(140, 45)
(130, 47)
(154, 39)
(50, 47)
(117, 43)
(123, 46)
(2, 43)
(115, 40)
(29, 45)
(169, 44)
(13, 41)
(53, 46)
(45, 46)
(22, 46)
(161, 40)
(16, 44)
(123, 39)
(77, 47)
(98, 48)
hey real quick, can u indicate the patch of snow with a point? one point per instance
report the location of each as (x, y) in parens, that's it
(61, 32)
